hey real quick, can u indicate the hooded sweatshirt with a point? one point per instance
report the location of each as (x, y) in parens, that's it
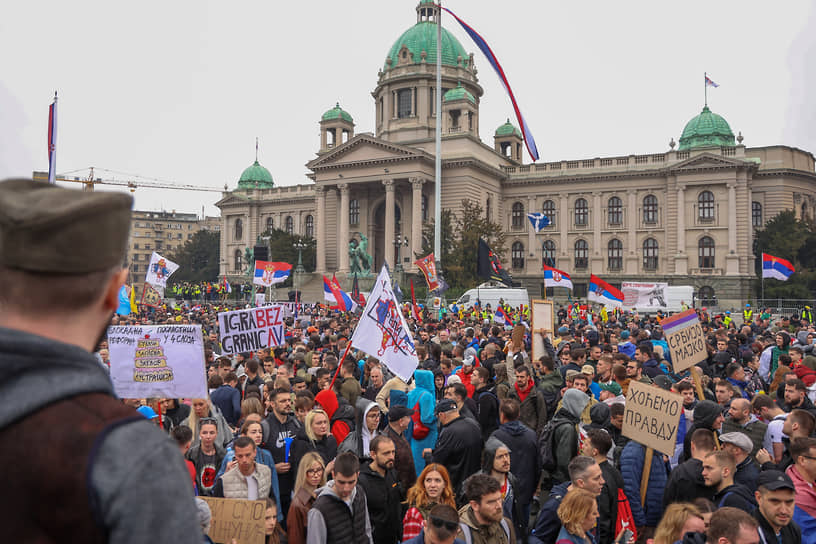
(510, 503)
(423, 399)
(705, 413)
(524, 459)
(341, 414)
(565, 434)
(359, 439)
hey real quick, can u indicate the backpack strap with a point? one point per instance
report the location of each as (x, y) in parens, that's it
(466, 532)
(506, 529)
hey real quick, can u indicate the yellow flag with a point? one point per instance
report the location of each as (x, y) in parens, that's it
(134, 308)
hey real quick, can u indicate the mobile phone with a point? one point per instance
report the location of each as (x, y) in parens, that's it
(624, 536)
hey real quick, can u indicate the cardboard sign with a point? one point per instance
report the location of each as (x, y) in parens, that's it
(237, 519)
(157, 361)
(252, 329)
(651, 416)
(685, 338)
(518, 335)
(541, 317)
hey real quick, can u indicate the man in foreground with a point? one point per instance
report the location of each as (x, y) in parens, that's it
(340, 513)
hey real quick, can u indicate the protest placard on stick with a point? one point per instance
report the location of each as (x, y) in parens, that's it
(251, 329)
(651, 416)
(237, 519)
(685, 338)
(542, 323)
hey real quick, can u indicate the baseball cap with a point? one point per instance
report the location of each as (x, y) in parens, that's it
(467, 361)
(739, 440)
(662, 381)
(398, 412)
(775, 479)
(445, 405)
(588, 369)
(571, 374)
(147, 412)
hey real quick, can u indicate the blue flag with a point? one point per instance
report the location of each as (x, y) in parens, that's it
(538, 220)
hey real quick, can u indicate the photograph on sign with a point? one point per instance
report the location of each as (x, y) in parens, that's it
(238, 519)
(644, 296)
(251, 329)
(684, 334)
(651, 416)
(157, 361)
(542, 316)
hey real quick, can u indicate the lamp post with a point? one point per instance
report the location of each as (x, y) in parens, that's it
(399, 241)
(300, 245)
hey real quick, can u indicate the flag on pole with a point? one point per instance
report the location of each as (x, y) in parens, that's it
(269, 273)
(538, 220)
(489, 267)
(600, 291)
(382, 331)
(501, 317)
(134, 308)
(124, 301)
(414, 308)
(333, 293)
(776, 268)
(356, 295)
(427, 265)
(52, 140)
(710, 83)
(159, 270)
(226, 285)
(494, 62)
(556, 278)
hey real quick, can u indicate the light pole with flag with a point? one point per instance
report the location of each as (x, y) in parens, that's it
(52, 140)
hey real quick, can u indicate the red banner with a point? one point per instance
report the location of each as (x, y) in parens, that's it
(427, 265)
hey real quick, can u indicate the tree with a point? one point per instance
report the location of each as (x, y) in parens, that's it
(787, 237)
(198, 258)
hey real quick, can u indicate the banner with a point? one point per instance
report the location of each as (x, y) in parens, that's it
(159, 270)
(237, 519)
(685, 338)
(427, 265)
(151, 296)
(382, 331)
(124, 301)
(157, 361)
(269, 273)
(651, 416)
(489, 267)
(252, 329)
(644, 296)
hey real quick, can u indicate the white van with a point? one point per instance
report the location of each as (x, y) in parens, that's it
(490, 294)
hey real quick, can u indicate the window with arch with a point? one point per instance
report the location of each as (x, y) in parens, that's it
(239, 261)
(239, 229)
(650, 254)
(650, 209)
(548, 209)
(517, 255)
(614, 210)
(804, 212)
(548, 253)
(290, 224)
(354, 211)
(756, 214)
(581, 212)
(706, 296)
(581, 254)
(425, 208)
(615, 254)
(517, 215)
(705, 206)
(309, 224)
(405, 106)
(270, 224)
(705, 252)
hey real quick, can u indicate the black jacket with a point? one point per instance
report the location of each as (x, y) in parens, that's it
(459, 448)
(686, 483)
(705, 413)
(547, 524)
(326, 448)
(524, 460)
(488, 409)
(608, 503)
(275, 435)
(747, 474)
(735, 495)
(383, 497)
(789, 534)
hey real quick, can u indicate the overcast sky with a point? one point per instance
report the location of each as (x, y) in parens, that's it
(179, 90)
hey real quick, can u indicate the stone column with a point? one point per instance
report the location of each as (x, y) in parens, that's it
(732, 258)
(416, 221)
(320, 229)
(563, 224)
(681, 261)
(598, 254)
(389, 222)
(344, 228)
(631, 249)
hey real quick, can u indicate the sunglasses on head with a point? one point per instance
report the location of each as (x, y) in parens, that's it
(439, 523)
(207, 420)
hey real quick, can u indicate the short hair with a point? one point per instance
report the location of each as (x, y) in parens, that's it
(511, 409)
(483, 372)
(215, 381)
(726, 522)
(578, 467)
(224, 362)
(732, 368)
(523, 368)
(349, 365)
(459, 390)
(762, 401)
(347, 464)
(683, 386)
(798, 384)
(616, 409)
(547, 362)
(252, 365)
(182, 434)
(724, 460)
(280, 391)
(231, 377)
(446, 513)
(703, 440)
(581, 377)
(243, 442)
(801, 446)
(600, 440)
(479, 485)
(303, 402)
(645, 348)
(374, 445)
(577, 353)
(805, 420)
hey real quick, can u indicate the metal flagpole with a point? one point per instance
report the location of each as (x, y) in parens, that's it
(705, 88)
(438, 165)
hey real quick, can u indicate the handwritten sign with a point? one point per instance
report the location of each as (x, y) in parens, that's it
(157, 361)
(252, 329)
(237, 519)
(542, 317)
(651, 416)
(685, 338)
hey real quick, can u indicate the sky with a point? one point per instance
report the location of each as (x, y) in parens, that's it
(179, 91)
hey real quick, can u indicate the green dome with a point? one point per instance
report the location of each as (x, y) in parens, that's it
(706, 130)
(508, 129)
(337, 113)
(256, 176)
(422, 37)
(458, 93)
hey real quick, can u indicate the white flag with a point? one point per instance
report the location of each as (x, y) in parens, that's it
(382, 331)
(159, 270)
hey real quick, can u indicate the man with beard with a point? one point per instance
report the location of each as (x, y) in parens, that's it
(719, 468)
(282, 425)
(383, 492)
(775, 496)
(483, 517)
(61, 272)
(496, 463)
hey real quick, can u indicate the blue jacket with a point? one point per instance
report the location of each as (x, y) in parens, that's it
(806, 523)
(228, 400)
(565, 537)
(547, 524)
(425, 394)
(631, 462)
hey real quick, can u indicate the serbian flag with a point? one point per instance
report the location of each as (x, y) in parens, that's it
(776, 268)
(556, 278)
(52, 141)
(333, 293)
(414, 308)
(710, 82)
(494, 62)
(602, 292)
(427, 265)
(269, 273)
(501, 317)
(226, 285)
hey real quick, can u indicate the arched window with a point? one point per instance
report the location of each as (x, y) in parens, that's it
(518, 215)
(290, 225)
(239, 261)
(756, 214)
(581, 212)
(581, 254)
(615, 211)
(548, 253)
(650, 209)
(548, 209)
(705, 206)
(517, 255)
(405, 106)
(354, 211)
(705, 252)
(239, 229)
(310, 226)
(270, 224)
(615, 254)
(425, 208)
(706, 296)
(804, 212)
(650, 254)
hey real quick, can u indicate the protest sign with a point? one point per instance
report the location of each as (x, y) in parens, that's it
(685, 338)
(644, 296)
(651, 416)
(260, 299)
(159, 270)
(252, 329)
(541, 318)
(157, 361)
(237, 519)
(151, 296)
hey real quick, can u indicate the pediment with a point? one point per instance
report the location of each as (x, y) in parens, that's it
(365, 148)
(232, 199)
(707, 161)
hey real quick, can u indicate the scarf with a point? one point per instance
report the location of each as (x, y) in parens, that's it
(805, 493)
(522, 393)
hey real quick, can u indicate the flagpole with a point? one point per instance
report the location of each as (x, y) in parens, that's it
(705, 88)
(438, 162)
(340, 364)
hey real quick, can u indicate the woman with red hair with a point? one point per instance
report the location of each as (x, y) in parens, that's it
(431, 488)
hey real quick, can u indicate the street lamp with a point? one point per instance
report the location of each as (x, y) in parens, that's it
(300, 245)
(399, 241)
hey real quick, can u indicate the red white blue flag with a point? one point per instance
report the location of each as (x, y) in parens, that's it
(333, 293)
(774, 267)
(501, 317)
(710, 82)
(494, 62)
(556, 278)
(269, 273)
(602, 292)
(52, 141)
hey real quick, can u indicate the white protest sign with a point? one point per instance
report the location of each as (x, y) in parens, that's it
(252, 329)
(685, 338)
(159, 270)
(644, 296)
(651, 416)
(157, 361)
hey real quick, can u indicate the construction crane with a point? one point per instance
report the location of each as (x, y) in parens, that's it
(132, 184)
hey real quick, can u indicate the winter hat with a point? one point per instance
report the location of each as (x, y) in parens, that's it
(575, 401)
